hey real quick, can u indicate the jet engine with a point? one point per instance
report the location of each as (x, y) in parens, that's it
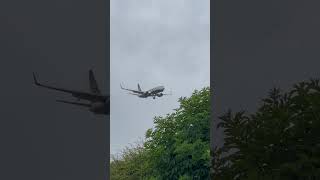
(160, 94)
(97, 106)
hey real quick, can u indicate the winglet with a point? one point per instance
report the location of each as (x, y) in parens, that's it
(35, 79)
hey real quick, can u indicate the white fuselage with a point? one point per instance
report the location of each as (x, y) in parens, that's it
(152, 92)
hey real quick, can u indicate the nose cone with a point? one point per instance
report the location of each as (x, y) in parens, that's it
(162, 88)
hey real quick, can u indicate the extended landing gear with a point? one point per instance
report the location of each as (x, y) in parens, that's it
(154, 97)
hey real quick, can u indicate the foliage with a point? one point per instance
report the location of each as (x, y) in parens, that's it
(177, 148)
(280, 141)
(179, 143)
(131, 165)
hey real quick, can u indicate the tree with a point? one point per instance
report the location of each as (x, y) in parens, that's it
(131, 164)
(179, 143)
(279, 141)
(177, 148)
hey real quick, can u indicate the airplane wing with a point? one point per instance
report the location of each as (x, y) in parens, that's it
(75, 103)
(135, 91)
(77, 94)
(134, 94)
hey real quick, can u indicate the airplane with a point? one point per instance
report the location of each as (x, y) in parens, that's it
(154, 92)
(98, 103)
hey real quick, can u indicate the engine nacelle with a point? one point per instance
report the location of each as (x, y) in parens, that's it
(96, 106)
(160, 94)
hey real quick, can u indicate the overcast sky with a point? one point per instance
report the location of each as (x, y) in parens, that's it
(155, 43)
(260, 45)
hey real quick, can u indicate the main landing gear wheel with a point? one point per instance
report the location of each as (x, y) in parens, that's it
(154, 97)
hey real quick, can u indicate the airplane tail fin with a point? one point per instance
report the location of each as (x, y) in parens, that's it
(139, 87)
(93, 83)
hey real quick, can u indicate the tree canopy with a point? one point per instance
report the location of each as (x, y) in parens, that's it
(279, 141)
(176, 148)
